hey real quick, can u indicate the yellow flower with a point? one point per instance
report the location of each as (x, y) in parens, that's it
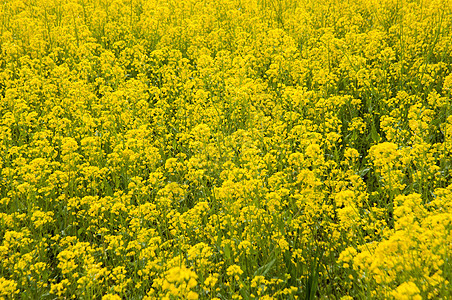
(68, 145)
(192, 296)
(407, 291)
(211, 280)
(351, 154)
(8, 287)
(111, 297)
(235, 271)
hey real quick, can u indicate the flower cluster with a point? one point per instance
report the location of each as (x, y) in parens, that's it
(225, 149)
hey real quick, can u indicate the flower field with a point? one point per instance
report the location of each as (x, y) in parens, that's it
(226, 149)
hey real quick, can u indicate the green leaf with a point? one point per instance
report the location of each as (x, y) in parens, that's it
(227, 252)
(363, 172)
(311, 285)
(265, 268)
(374, 134)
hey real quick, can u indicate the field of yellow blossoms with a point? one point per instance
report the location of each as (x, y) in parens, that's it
(226, 149)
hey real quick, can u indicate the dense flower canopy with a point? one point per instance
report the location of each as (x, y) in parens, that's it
(225, 149)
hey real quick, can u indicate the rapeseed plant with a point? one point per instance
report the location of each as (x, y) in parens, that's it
(225, 149)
